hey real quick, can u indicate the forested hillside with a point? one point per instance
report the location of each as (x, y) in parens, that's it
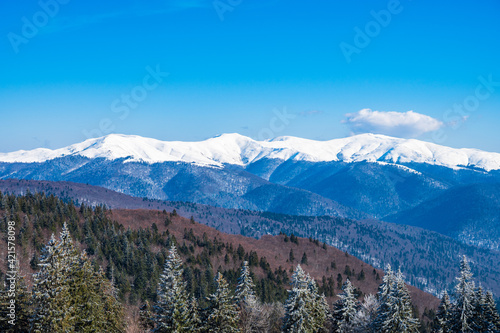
(131, 247)
(424, 256)
(106, 260)
(468, 213)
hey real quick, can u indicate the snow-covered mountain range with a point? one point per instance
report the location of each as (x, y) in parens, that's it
(362, 176)
(240, 150)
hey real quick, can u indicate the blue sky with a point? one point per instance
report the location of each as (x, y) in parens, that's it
(75, 69)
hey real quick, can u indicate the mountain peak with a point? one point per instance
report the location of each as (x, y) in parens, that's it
(236, 149)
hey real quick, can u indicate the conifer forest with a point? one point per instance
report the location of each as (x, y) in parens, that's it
(79, 270)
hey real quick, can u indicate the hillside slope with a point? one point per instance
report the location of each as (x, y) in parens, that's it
(131, 245)
(469, 213)
(424, 256)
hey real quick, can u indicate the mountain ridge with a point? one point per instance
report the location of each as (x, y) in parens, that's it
(236, 149)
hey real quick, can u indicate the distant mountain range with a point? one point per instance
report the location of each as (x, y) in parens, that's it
(236, 149)
(363, 176)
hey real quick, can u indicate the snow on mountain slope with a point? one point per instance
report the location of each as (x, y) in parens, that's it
(240, 150)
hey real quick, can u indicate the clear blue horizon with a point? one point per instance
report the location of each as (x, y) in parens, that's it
(189, 70)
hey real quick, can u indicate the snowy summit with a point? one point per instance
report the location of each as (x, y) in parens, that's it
(240, 150)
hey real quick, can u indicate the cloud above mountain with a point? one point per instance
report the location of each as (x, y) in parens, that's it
(400, 124)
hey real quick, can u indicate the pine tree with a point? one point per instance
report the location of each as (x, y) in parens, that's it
(318, 306)
(252, 316)
(193, 321)
(171, 307)
(395, 314)
(491, 313)
(69, 295)
(305, 310)
(345, 309)
(443, 316)
(51, 295)
(462, 319)
(296, 313)
(384, 291)
(245, 294)
(222, 313)
(96, 306)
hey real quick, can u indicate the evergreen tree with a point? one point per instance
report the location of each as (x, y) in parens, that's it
(491, 313)
(51, 294)
(245, 294)
(296, 311)
(395, 314)
(479, 323)
(462, 319)
(305, 310)
(252, 316)
(222, 313)
(486, 318)
(69, 295)
(345, 309)
(443, 316)
(172, 306)
(93, 299)
(384, 291)
(319, 309)
(193, 321)
(473, 311)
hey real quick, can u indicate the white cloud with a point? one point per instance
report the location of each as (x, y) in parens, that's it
(400, 124)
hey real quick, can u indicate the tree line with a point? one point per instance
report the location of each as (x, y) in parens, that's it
(71, 293)
(306, 311)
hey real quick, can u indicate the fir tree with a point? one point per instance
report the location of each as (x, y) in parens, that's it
(94, 300)
(51, 295)
(384, 291)
(69, 295)
(479, 323)
(171, 307)
(318, 306)
(146, 316)
(395, 314)
(491, 313)
(345, 309)
(486, 318)
(305, 310)
(193, 321)
(245, 294)
(463, 314)
(443, 316)
(222, 313)
(295, 307)
(251, 314)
